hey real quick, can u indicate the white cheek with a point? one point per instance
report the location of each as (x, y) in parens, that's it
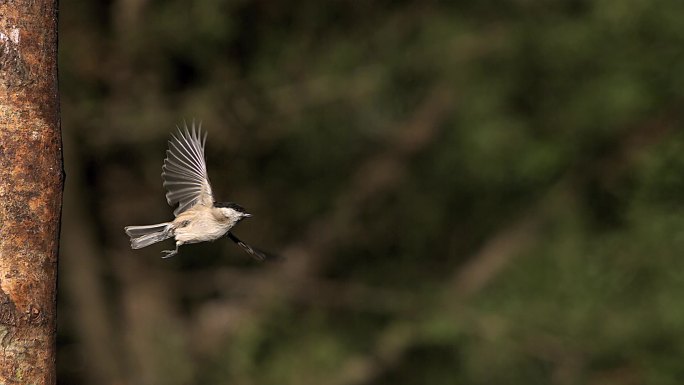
(230, 213)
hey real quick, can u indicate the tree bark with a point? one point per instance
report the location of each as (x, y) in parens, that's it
(31, 181)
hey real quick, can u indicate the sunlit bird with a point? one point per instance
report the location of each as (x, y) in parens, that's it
(198, 217)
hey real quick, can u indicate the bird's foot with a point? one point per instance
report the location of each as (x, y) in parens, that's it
(169, 253)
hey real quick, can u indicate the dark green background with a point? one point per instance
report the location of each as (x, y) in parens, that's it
(473, 192)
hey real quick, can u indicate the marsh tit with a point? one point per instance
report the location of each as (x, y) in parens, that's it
(198, 217)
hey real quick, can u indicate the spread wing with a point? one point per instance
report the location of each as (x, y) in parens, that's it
(185, 172)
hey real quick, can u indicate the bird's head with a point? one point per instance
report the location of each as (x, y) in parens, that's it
(232, 210)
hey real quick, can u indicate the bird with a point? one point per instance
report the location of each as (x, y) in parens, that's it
(198, 217)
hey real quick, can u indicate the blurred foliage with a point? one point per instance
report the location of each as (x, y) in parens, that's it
(479, 192)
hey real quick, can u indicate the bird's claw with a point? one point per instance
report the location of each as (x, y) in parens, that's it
(169, 253)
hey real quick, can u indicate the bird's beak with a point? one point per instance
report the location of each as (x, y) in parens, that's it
(246, 215)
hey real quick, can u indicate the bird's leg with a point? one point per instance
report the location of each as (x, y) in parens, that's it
(171, 253)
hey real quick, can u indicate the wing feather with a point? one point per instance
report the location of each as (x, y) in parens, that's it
(185, 171)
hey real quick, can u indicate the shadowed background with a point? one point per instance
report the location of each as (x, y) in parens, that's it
(476, 193)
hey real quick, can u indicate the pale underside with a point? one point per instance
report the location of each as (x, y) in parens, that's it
(199, 225)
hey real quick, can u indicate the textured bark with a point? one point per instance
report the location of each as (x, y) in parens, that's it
(31, 180)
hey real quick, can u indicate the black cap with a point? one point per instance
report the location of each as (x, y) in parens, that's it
(231, 205)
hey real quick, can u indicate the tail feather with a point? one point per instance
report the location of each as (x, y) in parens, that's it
(142, 236)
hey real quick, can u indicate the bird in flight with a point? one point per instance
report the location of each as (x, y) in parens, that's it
(198, 217)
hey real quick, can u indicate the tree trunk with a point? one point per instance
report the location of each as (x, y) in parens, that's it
(31, 180)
